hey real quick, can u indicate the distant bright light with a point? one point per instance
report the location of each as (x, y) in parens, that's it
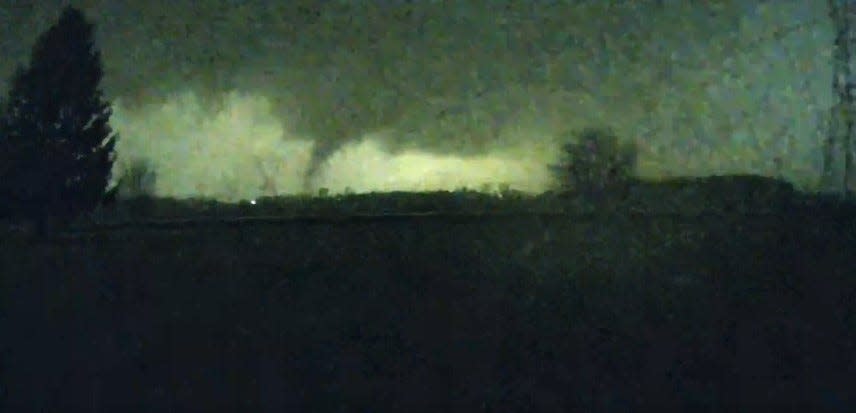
(252, 202)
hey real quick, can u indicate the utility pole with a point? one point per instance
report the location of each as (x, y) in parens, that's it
(838, 147)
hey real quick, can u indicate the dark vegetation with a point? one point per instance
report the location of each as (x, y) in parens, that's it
(685, 196)
(56, 145)
(526, 312)
(609, 294)
(596, 162)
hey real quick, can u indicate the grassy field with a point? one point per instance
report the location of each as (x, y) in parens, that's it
(518, 312)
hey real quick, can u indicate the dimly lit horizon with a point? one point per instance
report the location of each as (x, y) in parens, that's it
(235, 101)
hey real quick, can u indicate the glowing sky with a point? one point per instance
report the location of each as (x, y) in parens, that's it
(227, 152)
(236, 99)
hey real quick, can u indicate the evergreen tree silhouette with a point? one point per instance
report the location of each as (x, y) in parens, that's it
(56, 145)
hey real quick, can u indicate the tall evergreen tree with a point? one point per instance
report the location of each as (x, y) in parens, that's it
(56, 145)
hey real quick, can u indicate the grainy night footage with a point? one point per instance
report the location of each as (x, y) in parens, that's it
(427, 206)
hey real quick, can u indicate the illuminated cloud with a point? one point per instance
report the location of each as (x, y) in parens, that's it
(365, 166)
(702, 87)
(240, 150)
(224, 152)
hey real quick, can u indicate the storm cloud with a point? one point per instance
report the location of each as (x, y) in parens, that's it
(225, 96)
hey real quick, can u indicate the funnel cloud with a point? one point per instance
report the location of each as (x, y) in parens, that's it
(239, 149)
(237, 99)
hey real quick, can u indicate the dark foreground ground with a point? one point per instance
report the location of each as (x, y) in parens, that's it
(526, 312)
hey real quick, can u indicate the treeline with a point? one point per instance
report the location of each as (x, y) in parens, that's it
(386, 203)
(687, 196)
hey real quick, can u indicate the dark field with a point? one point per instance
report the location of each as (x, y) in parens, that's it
(523, 312)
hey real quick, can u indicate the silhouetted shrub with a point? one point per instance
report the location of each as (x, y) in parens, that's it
(595, 162)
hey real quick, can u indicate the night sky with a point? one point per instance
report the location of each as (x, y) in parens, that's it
(237, 99)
